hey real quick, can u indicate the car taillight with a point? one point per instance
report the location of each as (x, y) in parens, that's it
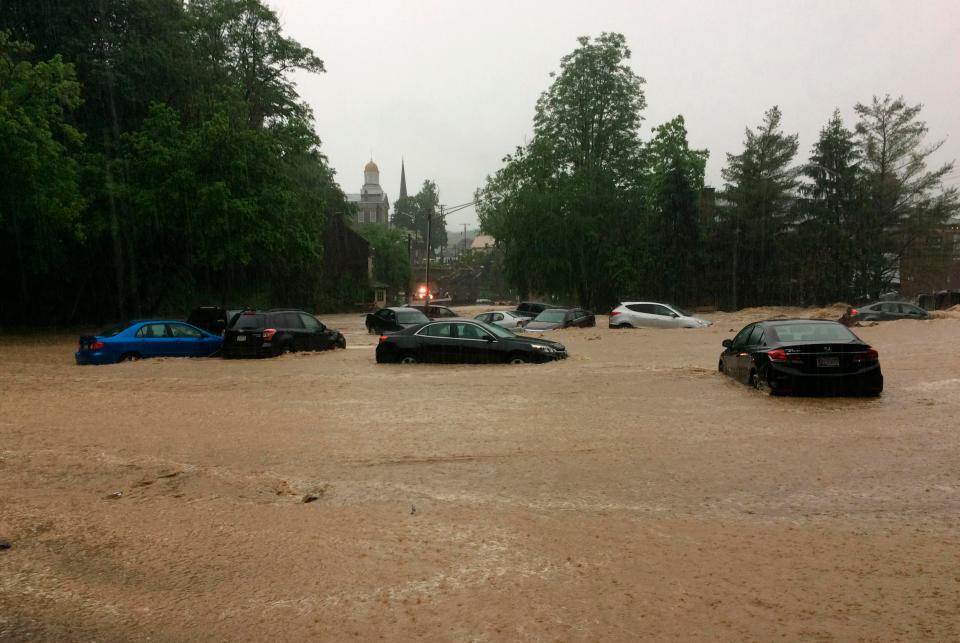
(777, 355)
(97, 345)
(614, 313)
(854, 311)
(870, 355)
(268, 333)
(383, 338)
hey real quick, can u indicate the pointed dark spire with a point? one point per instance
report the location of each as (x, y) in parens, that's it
(403, 181)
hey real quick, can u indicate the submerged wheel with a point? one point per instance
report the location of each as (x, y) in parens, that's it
(517, 358)
(720, 367)
(129, 357)
(408, 358)
(760, 383)
(341, 342)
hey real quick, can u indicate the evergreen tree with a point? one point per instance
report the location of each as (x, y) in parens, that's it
(903, 200)
(759, 188)
(830, 209)
(674, 181)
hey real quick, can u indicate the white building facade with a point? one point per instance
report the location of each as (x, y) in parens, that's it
(372, 203)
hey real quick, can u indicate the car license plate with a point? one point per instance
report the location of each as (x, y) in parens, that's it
(241, 338)
(828, 362)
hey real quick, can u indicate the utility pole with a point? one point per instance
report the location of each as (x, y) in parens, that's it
(410, 261)
(426, 277)
(464, 253)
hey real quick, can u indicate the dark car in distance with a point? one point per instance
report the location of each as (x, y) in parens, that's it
(553, 318)
(388, 320)
(802, 356)
(465, 341)
(883, 311)
(434, 312)
(268, 333)
(531, 309)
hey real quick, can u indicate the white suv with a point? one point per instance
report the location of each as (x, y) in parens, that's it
(637, 314)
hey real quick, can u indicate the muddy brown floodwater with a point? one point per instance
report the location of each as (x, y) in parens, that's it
(629, 492)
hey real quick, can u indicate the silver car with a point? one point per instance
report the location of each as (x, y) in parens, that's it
(503, 318)
(649, 314)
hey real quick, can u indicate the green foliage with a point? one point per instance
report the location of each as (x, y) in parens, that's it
(831, 225)
(903, 200)
(189, 173)
(40, 197)
(391, 263)
(411, 213)
(760, 187)
(673, 183)
(566, 208)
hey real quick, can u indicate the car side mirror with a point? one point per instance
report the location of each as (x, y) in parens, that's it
(489, 339)
(674, 315)
(727, 343)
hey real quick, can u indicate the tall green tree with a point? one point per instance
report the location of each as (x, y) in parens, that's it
(904, 201)
(391, 263)
(673, 183)
(830, 207)
(40, 196)
(760, 187)
(567, 206)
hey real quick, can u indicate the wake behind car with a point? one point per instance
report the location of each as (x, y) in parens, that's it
(553, 318)
(146, 338)
(883, 311)
(649, 314)
(802, 356)
(387, 320)
(269, 333)
(465, 341)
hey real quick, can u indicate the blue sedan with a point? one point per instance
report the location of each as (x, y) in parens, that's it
(153, 338)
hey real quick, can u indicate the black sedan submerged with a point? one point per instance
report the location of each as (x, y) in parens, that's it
(465, 341)
(802, 356)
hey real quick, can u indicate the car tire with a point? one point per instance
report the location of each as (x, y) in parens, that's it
(287, 348)
(760, 383)
(130, 357)
(517, 358)
(408, 358)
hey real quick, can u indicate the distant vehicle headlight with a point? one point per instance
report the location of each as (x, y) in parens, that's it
(543, 349)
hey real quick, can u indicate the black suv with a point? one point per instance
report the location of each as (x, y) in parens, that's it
(269, 333)
(213, 319)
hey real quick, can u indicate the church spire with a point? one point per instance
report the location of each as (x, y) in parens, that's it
(403, 181)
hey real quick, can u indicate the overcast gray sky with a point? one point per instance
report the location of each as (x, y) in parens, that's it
(451, 86)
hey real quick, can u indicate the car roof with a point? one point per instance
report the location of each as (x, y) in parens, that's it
(794, 320)
(405, 309)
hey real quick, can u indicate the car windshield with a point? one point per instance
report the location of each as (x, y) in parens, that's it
(114, 330)
(813, 333)
(495, 330)
(555, 315)
(411, 317)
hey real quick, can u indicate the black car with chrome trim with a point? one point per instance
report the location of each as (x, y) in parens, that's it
(802, 356)
(465, 341)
